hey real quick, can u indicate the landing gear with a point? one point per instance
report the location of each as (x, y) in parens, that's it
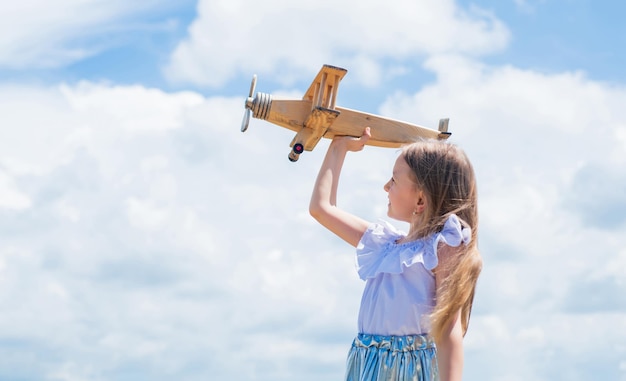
(297, 149)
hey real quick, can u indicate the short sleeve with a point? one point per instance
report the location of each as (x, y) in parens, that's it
(452, 234)
(371, 249)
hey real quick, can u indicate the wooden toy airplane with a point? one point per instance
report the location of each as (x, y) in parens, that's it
(315, 116)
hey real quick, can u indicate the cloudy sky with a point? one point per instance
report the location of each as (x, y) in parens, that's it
(144, 237)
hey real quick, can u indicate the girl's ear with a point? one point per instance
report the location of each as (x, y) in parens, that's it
(420, 204)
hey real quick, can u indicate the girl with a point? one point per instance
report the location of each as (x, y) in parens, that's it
(420, 286)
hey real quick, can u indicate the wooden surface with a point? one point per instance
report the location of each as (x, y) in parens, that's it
(319, 121)
(323, 89)
(386, 132)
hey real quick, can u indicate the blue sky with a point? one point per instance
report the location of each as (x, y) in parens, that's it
(145, 238)
(564, 35)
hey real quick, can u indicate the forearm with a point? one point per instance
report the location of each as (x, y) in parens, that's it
(325, 189)
(450, 353)
(323, 204)
(450, 359)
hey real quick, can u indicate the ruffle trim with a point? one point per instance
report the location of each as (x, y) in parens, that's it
(378, 252)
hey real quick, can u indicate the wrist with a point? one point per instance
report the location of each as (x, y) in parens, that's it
(338, 145)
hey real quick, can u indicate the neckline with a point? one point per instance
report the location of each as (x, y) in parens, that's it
(395, 242)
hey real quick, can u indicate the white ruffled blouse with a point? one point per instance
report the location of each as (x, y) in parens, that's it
(400, 285)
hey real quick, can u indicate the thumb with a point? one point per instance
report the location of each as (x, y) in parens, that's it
(367, 134)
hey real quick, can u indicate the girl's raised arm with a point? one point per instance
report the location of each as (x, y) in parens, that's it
(323, 205)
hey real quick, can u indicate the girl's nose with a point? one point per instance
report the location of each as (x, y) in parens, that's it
(386, 186)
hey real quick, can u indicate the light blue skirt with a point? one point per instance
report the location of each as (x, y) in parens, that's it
(392, 358)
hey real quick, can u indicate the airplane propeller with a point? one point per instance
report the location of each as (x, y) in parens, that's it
(248, 106)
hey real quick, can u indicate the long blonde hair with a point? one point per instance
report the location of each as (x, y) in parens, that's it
(445, 175)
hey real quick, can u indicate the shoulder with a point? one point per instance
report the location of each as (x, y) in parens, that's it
(450, 241)
(446, 254)
(379, 234)
(377, 252)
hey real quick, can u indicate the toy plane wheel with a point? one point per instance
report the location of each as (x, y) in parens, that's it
(297, 149)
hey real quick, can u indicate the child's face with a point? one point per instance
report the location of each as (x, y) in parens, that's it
(402, 192)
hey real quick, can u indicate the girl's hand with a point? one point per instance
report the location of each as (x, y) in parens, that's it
(352, 143)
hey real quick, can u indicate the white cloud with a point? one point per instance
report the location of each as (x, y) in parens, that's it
(531, 134)
(230, 37)
(10, 196)
(39, 33)
(36, 123)
(149, 229)
(546, 347)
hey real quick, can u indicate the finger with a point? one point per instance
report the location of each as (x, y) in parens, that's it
(366, 135)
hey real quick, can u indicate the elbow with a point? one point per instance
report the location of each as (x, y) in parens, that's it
(451, 342)
(320, 211)
(316, 211)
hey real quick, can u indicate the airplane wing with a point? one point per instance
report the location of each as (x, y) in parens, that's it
(386, 132)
